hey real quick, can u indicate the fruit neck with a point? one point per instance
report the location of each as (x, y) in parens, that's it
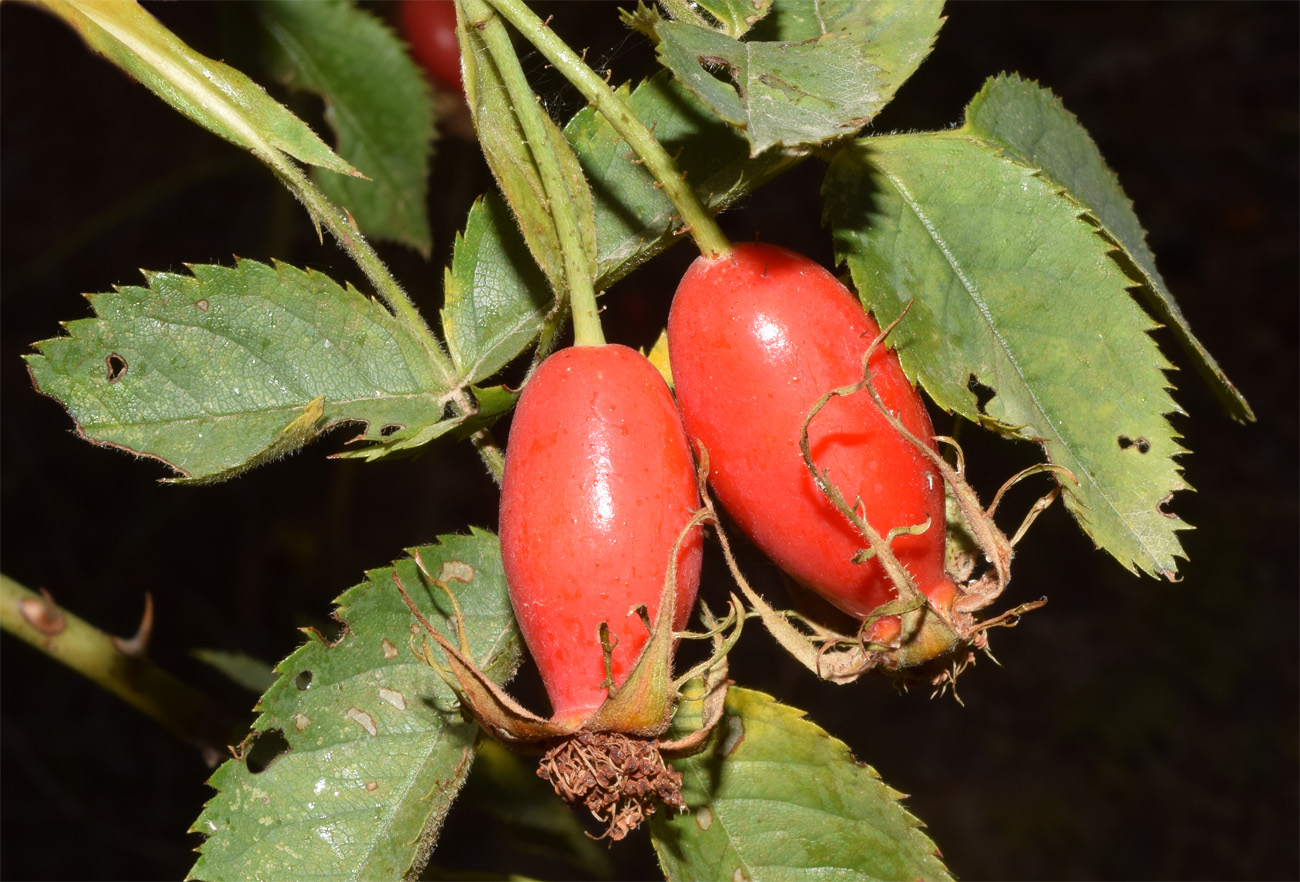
(586, 319)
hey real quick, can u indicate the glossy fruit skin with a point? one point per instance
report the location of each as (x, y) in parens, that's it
(599, 482)
(755, 339)
(430, 27)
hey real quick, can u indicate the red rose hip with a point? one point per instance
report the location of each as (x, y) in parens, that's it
(599, 483)
(756, 338)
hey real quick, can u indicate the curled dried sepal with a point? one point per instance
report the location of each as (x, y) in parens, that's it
(933, 640)
(500, 715)
(618, 778)
(612, 764)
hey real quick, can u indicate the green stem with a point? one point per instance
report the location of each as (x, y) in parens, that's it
(119, 666)
(344, 229)
(699, 222)
(340, 224)
(578, 271)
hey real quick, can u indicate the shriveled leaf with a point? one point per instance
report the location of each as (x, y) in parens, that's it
(1033, 126)
(509, 155)
(376, 101)
(776, 797)
(1015, 292)
(212, 94)
(832, 68)
(375, 750)
(229, 367)
(496, 298)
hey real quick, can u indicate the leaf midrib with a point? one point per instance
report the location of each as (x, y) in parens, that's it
(911, 202)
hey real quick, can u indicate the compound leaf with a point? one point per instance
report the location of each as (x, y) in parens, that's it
(1015, 293)
(828, 70)
(1033, 126)
(376, 101)
(373, 749)
(775, 797)
(220, 370)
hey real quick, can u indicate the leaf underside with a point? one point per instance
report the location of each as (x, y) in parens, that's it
(1013, 290)
(775, 797)
(812, 73)
(377, 102)
(376, 750)
(1034, 128)
(211, 372)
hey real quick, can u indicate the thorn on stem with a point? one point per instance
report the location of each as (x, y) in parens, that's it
(44, 615)
(138, 645)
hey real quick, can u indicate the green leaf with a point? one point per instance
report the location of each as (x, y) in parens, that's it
(376, 751)
(214, 95)
(491, 272)
(507, 151)
(229, 367)
(1033, 126)
(634, 219)
(495, 297)
(376, 101)
(830, 71)
(775, 797)
(736, 16)
(1014, 290)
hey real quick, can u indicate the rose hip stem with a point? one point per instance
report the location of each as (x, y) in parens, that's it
(696, 218)
(579, 273)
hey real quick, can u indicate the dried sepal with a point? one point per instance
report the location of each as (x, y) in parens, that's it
(614, 763)
(934, 641)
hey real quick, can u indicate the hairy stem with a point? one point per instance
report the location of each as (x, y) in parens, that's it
(579, 272)
(118, 665)
(697, 219)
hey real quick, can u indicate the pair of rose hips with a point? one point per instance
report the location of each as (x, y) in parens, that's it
(600, 481)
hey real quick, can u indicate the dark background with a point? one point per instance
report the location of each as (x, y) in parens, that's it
(1137, 729)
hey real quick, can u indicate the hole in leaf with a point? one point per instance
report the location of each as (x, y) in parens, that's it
(116, 367)
(391, 429)
(1141, 444)
(723, 71)
(983, 394)
(264, 749)
(302, 681)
